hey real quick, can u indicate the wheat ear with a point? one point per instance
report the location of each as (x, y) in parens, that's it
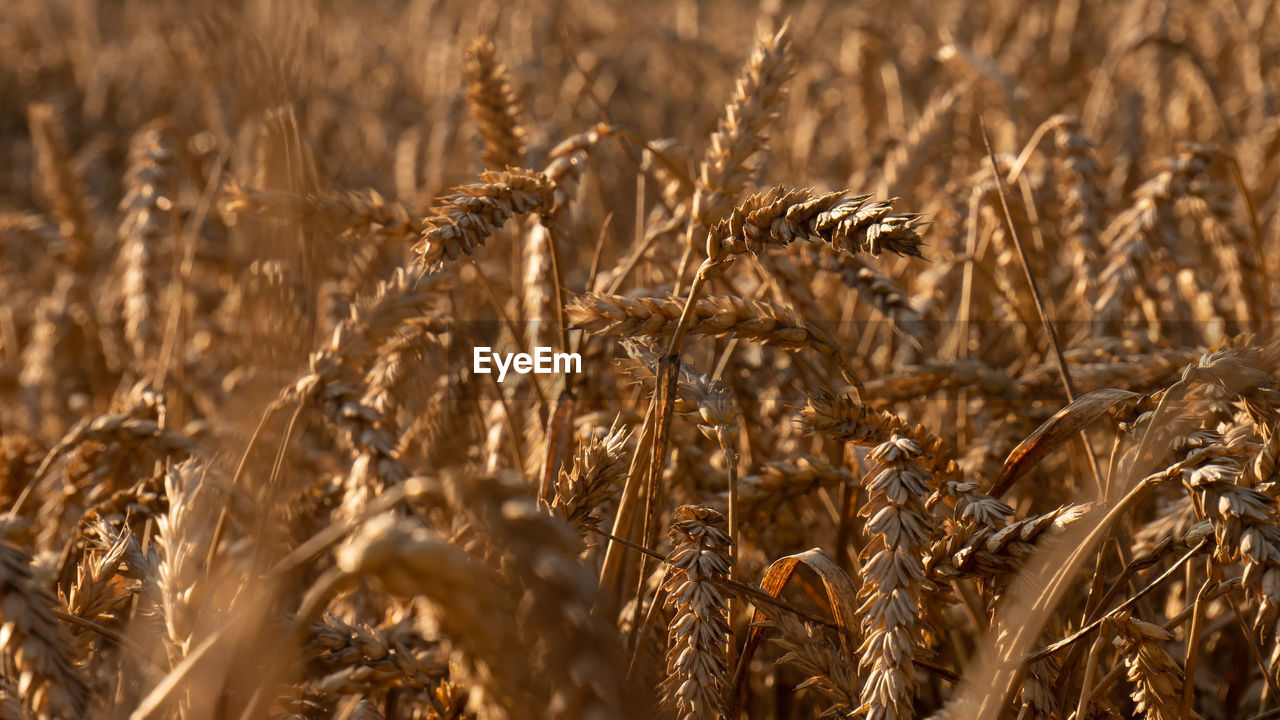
(698, 636)
(494, 106)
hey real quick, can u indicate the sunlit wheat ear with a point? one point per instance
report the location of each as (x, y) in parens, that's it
(599, 465)
(780, 216)
(757, 101)
(698, 637)
(556, 598)
(842, 418)
(99, 593)
(875, 288)
(1036, 697)
(980, 550)
(184, 538)
(493, 106)
(462, 594)
(336, 385)
(566, 165)
(893, 578)
(463, 220)
(1246, 531)
(366, 656)
(701, 400)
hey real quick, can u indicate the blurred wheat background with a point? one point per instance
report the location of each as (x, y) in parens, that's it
(928, 364)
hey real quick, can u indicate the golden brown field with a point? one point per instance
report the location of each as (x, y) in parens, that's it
(925, 359)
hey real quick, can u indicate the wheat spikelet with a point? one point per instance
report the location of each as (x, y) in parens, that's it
(1207, 204)
(820, 661)
(493, 106)
(701, 400)
(96, 594)
(462, 221)
(125, 431)
(877, 290)
(740, 134)
(378, 661)
(566, 164)
(719, 316)
(1142, 231)
(893, 578)
(980, 550)
(146, 206)
(555, 594)
(355, 215)
(184, 538)
(1156, 677)
(844, 419)
(698, 634)
(336, 385)
(465, 596)
(780, 216)
(1079, 180)
(1245, 527)
(599, 465)
(1036, 696)
(778, 480)
(397, 365)
(61, 185)
(35, 644)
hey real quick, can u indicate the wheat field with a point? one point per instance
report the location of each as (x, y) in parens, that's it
(447, 359)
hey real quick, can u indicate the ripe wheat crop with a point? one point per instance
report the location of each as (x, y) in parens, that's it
(919, 360)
